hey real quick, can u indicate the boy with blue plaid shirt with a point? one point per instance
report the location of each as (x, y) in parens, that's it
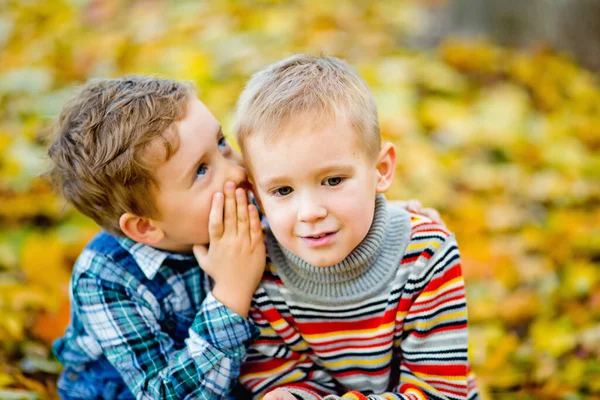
(156, 313)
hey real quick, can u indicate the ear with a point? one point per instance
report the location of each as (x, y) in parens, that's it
(141, 229)
(386, 167)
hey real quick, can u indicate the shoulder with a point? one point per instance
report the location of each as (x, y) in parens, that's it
(418, 230)
(106, 278)
(98, 263)
(423, 229)
(429, 244)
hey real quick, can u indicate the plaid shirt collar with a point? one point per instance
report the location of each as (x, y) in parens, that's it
(149, 258)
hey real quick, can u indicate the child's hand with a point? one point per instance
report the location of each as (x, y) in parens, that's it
(235, 258)
(279, 395)
(416, 207)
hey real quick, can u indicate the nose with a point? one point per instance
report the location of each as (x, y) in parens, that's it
(235, 172)
(310, 209)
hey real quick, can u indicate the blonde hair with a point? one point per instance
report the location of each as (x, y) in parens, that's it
(318, 88)
(103, 155)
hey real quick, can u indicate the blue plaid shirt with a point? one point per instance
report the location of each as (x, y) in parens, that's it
(150, 315)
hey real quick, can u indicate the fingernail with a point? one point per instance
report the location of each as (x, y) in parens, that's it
(230, 185)
(218, 196)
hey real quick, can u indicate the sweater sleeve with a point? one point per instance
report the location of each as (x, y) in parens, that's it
(277, 360)
(431, 340)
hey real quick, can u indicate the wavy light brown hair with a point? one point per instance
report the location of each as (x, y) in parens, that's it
(104, 153)
(305, 89)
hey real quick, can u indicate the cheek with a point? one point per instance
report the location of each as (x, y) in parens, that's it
(194, 221)
(350, 201)
(357, 211)
(202, 212)
(193, 212)
(281, 219)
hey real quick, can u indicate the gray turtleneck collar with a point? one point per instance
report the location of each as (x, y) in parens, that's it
(362, 274)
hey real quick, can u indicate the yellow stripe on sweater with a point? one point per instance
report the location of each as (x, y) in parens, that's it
(436, 321)
(442, 377)
(427, 295)
(358, 361)
(350, 333)
(295, 377)
(420, 384)
(422, 245)
(416, 219)
(278, 324)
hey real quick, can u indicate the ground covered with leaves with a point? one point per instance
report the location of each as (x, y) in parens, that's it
(503, 142)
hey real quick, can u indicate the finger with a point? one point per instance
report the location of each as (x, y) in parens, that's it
(215, 218)
(414, 206)
(433, 215)
(256, 234)
(230, 221)
(275, 395)
(242, 212)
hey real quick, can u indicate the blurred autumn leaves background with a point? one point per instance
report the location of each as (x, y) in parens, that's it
(503, 141)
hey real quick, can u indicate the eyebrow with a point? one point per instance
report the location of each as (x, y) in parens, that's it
(192, 170)
(340, 169)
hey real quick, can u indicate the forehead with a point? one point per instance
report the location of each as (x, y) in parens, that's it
(187, 139)
(301, 148)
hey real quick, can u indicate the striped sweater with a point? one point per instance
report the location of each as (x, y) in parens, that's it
(389, 322)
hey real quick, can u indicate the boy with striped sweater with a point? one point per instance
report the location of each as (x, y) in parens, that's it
(360, 299)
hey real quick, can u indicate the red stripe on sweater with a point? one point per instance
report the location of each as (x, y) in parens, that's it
(448, 275)
(438, 370)
(435, 304)
(454, 327)
(316, 328)
(436, 229)
(330, 348)
(408, 260)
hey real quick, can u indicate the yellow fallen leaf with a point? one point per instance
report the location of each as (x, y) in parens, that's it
(553, 337)
(520, 306)
(5, 380)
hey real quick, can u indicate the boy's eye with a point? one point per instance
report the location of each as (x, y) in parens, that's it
(333, 181)
(222, 143)
(283, 191)
(202, 170)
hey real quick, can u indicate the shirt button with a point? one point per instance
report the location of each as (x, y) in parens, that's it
(72, 376)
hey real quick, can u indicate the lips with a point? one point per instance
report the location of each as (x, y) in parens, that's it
(319, 239)
(317, 236)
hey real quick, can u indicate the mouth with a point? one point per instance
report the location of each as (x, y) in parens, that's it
(319, 239)
(318, 235)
